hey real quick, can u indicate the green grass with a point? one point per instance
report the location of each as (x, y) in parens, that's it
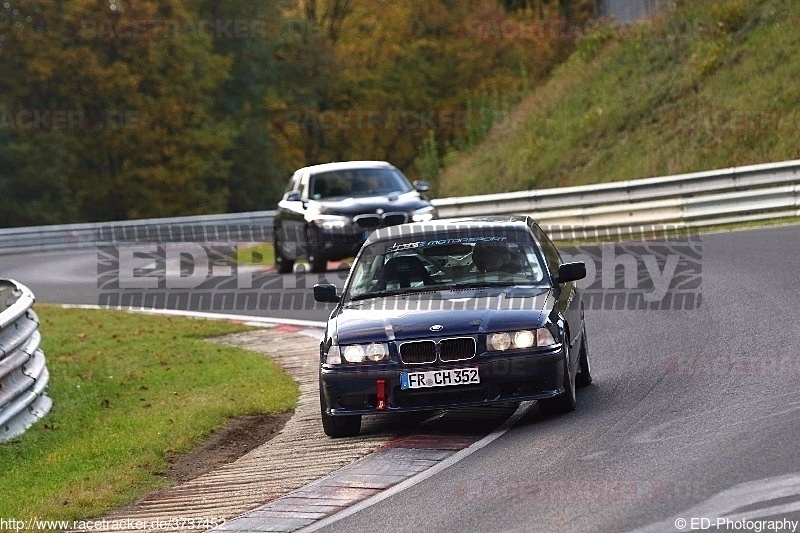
(130, 391)
(257, 254)
(710, 85)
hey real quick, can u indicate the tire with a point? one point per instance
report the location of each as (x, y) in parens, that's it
(316, 260)
(338, 426)
(283, 264)
(584, 377)
(564, 402)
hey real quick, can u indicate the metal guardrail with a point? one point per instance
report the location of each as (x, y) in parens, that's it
(23, 374)
(236, 227)
(718, 197)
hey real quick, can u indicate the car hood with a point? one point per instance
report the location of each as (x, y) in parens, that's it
(405, 203)
(463, 312)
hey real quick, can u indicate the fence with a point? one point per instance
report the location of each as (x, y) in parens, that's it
(23, 374)
(718, 197)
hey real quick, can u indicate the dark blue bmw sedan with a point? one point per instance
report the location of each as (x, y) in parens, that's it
(451, 313)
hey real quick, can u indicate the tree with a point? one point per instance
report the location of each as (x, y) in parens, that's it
(144, 142)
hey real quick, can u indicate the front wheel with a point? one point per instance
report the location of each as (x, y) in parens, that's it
(564, 402)
(584, 377)
(283, 264)
(338, 426)
(316, 259)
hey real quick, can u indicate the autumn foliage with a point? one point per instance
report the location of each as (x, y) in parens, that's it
(123, 109)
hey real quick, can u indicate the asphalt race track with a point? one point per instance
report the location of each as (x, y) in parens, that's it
(693, 414)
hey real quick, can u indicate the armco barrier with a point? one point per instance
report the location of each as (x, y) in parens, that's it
(718, 197)
(23, 374)
(236, 227)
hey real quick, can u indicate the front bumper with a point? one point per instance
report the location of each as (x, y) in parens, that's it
(341, 243)
(518, 377)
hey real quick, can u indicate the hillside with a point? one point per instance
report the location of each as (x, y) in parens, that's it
(708, 85)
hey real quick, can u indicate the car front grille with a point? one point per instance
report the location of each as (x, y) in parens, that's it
(394, 219)
(456, 349)
(419, 352)
(414, 353)
(374, 221)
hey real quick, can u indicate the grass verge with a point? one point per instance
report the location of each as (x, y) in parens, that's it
(708, 85)
(130, 391)
(262, 254)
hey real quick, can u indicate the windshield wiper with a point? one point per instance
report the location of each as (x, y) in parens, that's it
(393, 292)
(482, 284)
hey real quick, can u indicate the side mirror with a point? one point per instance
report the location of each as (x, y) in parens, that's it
(325, 293)
(571, 272)
(293, 196)
(421, 186)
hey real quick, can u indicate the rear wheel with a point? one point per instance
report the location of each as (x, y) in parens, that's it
(338, 426)
(283, 264)
(564, 402)
(316, 259)
(584, 377)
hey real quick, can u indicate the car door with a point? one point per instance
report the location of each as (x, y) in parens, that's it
(568, 302)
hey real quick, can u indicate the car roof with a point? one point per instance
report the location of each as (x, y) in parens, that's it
(344, 165)
(446, 225)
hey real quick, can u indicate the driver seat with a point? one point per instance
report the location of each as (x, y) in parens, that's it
(404, 270)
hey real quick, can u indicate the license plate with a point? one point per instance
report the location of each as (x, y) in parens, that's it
(439, 378)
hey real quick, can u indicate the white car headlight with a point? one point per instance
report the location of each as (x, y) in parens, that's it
(498, 341)
(524, 339)
(423, 215)
(354, 353)
(358, 353)
(377, 351)
(331, 221)
(519, 340)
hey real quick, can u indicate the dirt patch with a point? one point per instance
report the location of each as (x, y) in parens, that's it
(234, 439)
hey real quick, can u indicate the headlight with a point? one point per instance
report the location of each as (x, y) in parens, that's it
(334, 356)
(358, 353)
(519, 340)
(498, 341)
(331, 221)
(544, 337)
(524, 339)
(423, 215)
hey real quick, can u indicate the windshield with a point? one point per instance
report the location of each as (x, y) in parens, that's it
(469, 262)
(358, 182)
